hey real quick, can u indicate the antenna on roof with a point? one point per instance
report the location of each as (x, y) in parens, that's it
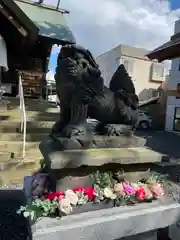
(40, 1)
(58, 3)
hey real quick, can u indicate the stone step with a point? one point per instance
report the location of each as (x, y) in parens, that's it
(13, 171)
(32, 137)
(14, 148)
(31, 105)
(36, 108)
(31, 116)
(16, 113)
(32, 126)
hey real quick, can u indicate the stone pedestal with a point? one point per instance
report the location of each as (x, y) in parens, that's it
(73, 168)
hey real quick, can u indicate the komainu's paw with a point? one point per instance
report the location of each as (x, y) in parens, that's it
(74, 131)
(114, 130)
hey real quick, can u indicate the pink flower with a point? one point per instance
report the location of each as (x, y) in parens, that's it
(156, 189)
(148, 193)
(128, 189)
(119, 189)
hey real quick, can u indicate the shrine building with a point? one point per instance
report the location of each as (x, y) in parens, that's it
(28, 31)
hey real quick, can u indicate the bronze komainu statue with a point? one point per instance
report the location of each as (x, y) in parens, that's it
(82, 94)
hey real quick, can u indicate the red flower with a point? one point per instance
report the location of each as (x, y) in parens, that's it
(89, 192)
(78, 189)
(141, 194)
(53, 195)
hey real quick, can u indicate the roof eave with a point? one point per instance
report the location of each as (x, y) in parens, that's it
(167, 51)
(56, 41)
(46, 6)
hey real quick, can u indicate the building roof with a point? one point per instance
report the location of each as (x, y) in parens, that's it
(49, 20)
(135, 52)
(129, 51)
(149, 101)
(16, 13)
(168, 50)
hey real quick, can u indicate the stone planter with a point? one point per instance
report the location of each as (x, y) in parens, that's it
(92, 207)
(141, 222)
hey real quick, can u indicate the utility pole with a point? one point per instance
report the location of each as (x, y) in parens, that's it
(58, 3)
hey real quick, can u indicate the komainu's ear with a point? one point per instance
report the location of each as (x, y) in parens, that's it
(121, 81)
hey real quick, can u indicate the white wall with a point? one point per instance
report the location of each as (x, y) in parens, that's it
(141, 71)
(177, 26)
(106, 62)
(141, 77)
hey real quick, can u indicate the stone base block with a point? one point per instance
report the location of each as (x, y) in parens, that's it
(58, 159)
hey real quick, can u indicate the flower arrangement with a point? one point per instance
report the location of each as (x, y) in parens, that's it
(106, 188)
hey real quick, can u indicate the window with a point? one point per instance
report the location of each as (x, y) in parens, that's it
(178, 91)
(177, 119)
(129, 66)
(158, 70)
(179, 66)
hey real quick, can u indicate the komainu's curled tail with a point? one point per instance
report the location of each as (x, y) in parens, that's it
(122, 85)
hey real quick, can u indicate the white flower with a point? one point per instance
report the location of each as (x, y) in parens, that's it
(135, 185)
(108, 193)
(65, 206)
(72, 197)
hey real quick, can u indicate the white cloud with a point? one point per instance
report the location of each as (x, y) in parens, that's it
(103, 24)
(55, 49)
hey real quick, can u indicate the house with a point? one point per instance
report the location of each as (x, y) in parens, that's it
(170, 51)
(147, 75)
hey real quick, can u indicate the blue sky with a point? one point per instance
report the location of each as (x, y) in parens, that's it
(122, 19)
(52, 62)
(174, 4)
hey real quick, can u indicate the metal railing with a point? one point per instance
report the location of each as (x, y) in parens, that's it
(23, 115)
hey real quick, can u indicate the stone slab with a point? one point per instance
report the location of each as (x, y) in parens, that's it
(56, 159)
(97, 141)
(110, 224)
(174, 231)
(13, 225)
(151, 235)
(118, 142)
